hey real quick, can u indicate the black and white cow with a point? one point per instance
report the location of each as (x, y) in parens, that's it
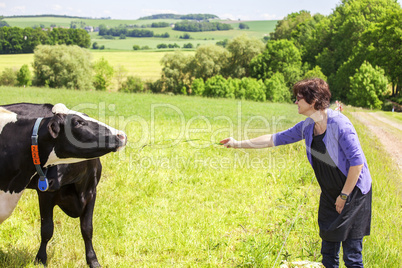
(72, 188)
(65, 137)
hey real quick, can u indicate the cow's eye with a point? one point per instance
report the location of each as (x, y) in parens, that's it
(78, 123)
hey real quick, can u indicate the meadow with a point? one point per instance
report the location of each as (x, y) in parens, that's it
(174, 197)
(258, 29)
(138, 63)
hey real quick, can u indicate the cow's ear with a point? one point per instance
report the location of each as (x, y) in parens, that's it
(54, 126)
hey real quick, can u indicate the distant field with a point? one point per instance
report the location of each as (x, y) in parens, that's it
(138, 63)
(258, 29)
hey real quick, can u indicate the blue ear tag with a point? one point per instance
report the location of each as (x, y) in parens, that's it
(43, 184)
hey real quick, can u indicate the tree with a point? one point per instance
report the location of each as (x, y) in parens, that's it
(103, 74)
(132, 85)
(208, 61)
(120, 73)
(175, 73)
(24, 76)
(367, 87)
(218, 86)
(243, 26)
(242, 50)
(276, 89)
(315, 73)
(8, 77)
(279, 56)
(62, 66)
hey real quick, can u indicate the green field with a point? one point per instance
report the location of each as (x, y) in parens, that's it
(258, 29)
(146, 65)
(184, 201)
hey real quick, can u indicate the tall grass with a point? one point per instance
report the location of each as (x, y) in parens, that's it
(174, 197)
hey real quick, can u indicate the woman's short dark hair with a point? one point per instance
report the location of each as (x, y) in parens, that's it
(314, 89)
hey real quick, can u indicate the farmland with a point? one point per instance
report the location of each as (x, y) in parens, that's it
(258, 29)
(174, 197)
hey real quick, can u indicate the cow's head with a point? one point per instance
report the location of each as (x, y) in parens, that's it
(78, 137)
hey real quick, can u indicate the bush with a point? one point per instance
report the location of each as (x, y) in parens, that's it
(315, 73)
(189, 45)
(198, 87)
(218, 86)
(254, 90)
(8, 77)
(62, 66)
(103, 74)
(136, 47)
(276, 89)
(132, 85)
(160, 46)
(24, 76)
(367, 87)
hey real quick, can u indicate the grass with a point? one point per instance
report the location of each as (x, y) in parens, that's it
(138, 63)
(258, 29)
(184, 201)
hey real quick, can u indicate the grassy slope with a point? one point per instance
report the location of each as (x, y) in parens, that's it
(194, 203)
(138, 63)
(257, 29)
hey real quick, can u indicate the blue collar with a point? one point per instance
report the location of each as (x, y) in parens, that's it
(43, 183)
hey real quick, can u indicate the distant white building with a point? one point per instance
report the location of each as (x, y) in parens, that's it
(89, 29)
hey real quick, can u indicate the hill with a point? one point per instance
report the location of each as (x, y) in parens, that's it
(257, 29)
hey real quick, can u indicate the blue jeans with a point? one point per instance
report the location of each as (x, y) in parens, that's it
(352, 253)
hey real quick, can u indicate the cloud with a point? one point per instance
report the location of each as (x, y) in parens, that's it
(57, 7)
(2, 5)
(149, 12)
(19, 9)
(271, 17)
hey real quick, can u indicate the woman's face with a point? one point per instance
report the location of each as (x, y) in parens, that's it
(303, 107)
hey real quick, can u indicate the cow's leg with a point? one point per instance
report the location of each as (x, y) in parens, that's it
(46, 205)
(87, 231)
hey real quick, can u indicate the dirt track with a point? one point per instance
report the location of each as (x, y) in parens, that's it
(389, 132)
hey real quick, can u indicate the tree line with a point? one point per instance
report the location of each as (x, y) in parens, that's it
(202, 26)
(181, 17)
(119, 31)
(15, 40)
(357, 49)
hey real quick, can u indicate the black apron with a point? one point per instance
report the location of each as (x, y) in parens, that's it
(355, 220)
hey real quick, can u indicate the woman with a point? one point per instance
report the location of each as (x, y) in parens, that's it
(339, 164)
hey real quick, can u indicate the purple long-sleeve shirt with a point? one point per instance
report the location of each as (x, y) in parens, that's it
(340, 140)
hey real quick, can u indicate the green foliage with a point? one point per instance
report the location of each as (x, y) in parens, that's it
(103, 74)
(208, 61)
(132, 85)
(175, 73)
(243, 26)
(198, 87)
(217, 86)
(254, 90)
(279, 56)
(315, 73)
(24, 76)
(8, 77)
(367, 87)
(95, 45)
(62, 66)
(202, 26)
(242, 50)
(15, 40)
(136, 47)
(276, 89)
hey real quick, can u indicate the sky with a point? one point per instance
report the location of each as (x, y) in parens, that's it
(134, 9)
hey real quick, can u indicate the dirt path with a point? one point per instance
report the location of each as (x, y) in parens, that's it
(389, 132)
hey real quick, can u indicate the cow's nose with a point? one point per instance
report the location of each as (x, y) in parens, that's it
(122, 137)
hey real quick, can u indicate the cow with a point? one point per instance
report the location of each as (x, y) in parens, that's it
(72, 187)
(65, 137)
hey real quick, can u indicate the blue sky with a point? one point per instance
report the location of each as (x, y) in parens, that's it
(126, 9)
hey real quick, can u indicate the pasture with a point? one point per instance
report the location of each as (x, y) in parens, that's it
(174, 197)
(258, 29)
(143, 64)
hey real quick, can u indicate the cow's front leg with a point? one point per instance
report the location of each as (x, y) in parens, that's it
(46, 206)
(87, 231)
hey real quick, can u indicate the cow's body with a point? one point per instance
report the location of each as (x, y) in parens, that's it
(72, 188)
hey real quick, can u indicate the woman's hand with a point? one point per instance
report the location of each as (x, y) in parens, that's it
(340, 204)
(229, 143)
